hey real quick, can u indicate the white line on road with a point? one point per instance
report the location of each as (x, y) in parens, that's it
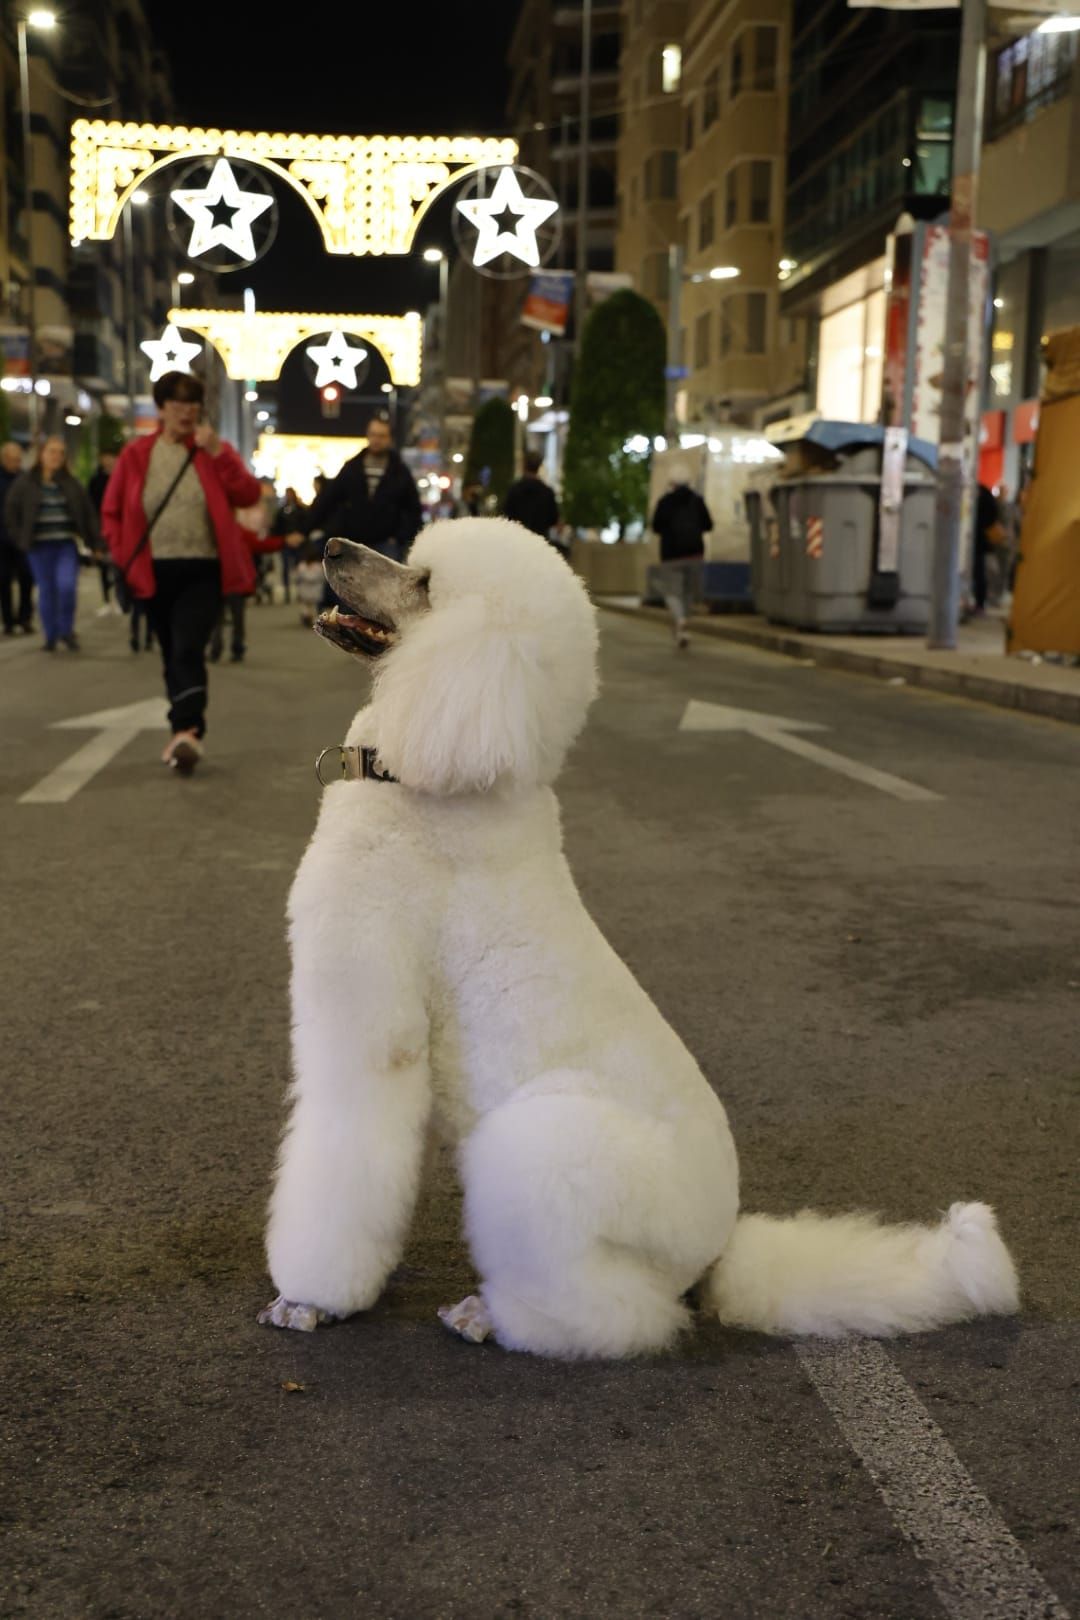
(776, 729)
(117, 727)
(978, 1569)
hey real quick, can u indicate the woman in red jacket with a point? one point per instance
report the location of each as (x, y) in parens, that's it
(184, 484)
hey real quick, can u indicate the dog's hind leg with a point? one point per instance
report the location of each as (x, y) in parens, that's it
(350, 1161)
(588, 1222)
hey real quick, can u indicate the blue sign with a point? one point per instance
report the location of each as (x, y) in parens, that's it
(676, 373)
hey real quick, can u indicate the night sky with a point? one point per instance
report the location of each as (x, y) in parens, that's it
(398, 68)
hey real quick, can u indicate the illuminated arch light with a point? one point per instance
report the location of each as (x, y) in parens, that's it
(255, 347)
(368, 192)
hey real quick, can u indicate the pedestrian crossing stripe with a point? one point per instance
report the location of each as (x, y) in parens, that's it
(815, 537)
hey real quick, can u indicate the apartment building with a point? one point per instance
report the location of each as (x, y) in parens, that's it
(702, 166)
(98, 60)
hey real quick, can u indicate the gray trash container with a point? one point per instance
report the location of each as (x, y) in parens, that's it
(826, 576)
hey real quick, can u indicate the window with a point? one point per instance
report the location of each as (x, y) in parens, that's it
(701, 340)
(766, 50)
(706, 222)
(760, 192)
(661, 176)
(670, 68)
(688, 127)
(710, 106)
(737, 67)
(731, 197)
(756, 315)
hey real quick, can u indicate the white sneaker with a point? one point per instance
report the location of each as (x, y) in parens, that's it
(682, 634)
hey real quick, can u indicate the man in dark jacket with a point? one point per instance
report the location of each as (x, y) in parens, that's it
(531, 502)
(682, 521)
(373, 499)
(14, 567)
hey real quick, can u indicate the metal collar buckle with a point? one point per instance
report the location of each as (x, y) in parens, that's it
(354, 765)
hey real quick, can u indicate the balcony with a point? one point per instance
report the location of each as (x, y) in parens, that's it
(1031, 73)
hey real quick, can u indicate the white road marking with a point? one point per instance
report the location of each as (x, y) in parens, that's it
(977, 1567)
(116, 728)
(775, 729)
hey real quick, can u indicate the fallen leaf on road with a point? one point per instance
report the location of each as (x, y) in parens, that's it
(293, 1389)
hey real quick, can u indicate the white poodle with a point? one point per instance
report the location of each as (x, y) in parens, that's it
(446, 975)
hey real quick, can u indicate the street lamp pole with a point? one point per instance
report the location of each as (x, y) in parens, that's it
(28, 185)
(582, 245)
(674, 318)
(129, 315)
(953, 471)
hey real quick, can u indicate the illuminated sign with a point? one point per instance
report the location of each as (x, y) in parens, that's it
(254, 347)
(169, 352)
(368, 193)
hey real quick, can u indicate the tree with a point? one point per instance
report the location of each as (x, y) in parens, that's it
(490, 457)
(617, 398)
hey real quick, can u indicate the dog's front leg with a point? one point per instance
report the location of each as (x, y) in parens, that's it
(350, 1162)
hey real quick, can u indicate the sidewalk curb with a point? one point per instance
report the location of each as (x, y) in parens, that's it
(1002, 694)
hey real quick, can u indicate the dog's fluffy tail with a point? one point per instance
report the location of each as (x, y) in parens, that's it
(829, 1275)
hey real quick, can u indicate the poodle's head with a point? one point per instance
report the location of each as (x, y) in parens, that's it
(483, 653)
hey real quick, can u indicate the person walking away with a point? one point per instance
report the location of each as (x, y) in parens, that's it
(289, 519)
(99, 483)
(531, 502)
(14, 565)
(682, 521)
(48, 513)
(373, 499)
(989, 534)
(169, 520)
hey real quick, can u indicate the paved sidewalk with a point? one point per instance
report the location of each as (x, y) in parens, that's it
(979, 669)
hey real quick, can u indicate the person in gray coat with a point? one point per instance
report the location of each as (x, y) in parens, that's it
(47, 514)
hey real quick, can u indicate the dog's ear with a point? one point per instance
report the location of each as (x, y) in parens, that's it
(467, 701)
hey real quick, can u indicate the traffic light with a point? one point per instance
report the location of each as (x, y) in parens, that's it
(330, 400)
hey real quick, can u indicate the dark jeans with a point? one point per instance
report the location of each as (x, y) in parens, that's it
(15, 570)
(183, 614)
(235, 607)
(55, 566)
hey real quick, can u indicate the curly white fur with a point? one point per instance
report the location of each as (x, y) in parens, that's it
(445, 972)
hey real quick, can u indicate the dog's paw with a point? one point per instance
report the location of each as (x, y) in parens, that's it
(469, 1319)
(284, 1313)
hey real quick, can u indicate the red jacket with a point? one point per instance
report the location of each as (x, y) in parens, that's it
(226, 484)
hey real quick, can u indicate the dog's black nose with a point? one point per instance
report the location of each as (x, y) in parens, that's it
(333, 548)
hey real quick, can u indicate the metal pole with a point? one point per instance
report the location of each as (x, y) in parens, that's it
(444, 356)
(953, 473)
(582, 245)
(674, 319)
(28, 183)
(129, 316)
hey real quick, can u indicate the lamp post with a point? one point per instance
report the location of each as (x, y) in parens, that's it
(43, 20)
(435, 255)
(581, 257)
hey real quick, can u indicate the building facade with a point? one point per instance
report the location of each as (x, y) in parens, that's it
(702, 168)
(92, 302)
(870, 114)
(1029, 198)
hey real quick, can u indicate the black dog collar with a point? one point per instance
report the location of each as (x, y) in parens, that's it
(353, 765)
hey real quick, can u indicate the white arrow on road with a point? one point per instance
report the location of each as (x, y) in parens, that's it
(116, 727)
(775, 729)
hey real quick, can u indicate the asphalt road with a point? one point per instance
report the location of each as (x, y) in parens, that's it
(886, 995)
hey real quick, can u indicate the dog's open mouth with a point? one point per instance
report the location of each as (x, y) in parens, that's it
(366, 638)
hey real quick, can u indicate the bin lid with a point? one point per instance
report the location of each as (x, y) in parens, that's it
(837, 436)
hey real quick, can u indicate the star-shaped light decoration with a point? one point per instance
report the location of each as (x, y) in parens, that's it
(507, 221)
(169, 352)
(335, 362)
(223, 214)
